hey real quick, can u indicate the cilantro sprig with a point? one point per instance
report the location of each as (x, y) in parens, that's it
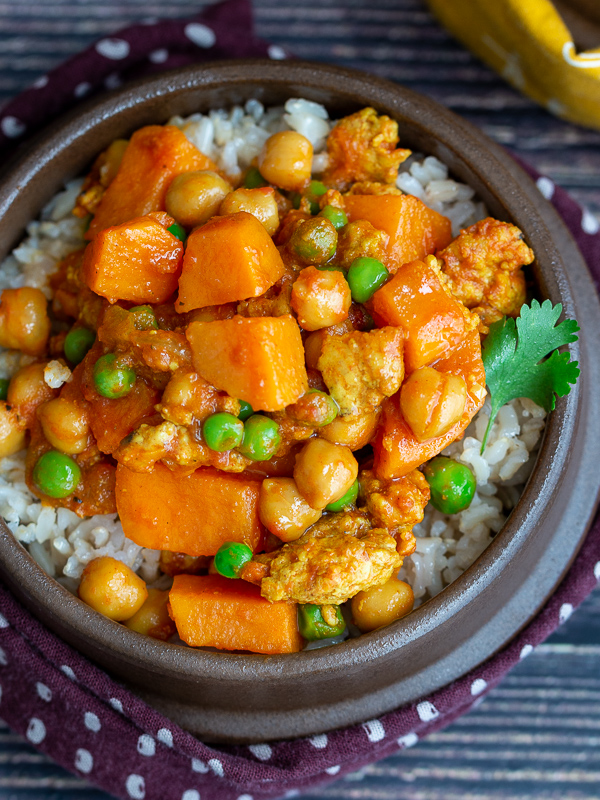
(514, 356)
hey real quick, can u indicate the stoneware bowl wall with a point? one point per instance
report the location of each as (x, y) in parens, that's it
(246, 698)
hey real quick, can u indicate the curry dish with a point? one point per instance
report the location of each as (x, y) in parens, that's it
(261, 376)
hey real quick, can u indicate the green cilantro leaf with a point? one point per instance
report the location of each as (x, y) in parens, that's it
(512, 357)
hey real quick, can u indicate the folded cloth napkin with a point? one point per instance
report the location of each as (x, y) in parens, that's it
(529, 44)
(76, 713)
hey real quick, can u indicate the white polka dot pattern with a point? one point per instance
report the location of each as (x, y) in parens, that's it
(245, 797)
(84, 761)
(42, 81)
(43, 691)
(159, 56)
(261, 751)
(68, 672)
(374, 730)
(216, 766)
(36, 731)
(91, 722)
(115, 49)
(113, 81)
(546, 187)
(526, 650)
(319, 741)
(165, 736)
(409, 740)
(277, 53)
(333, 770)
(478, 686)
(565, 612)
(136, 788)
(12, 127)
(589, 223)
(82, 89)
(199, 766)
(201, 35)
(146, 746)
(116, 704)
(190, 794)
(3, 658)
(4, 623)
(597, 571)
(427, 711)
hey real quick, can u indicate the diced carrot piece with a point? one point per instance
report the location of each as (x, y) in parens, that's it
(256, 359)
(111, 420)
(230, 258)
(415, 230)
(432, 320)
(154, 156)
(193, 514)
(397, 450)
(139, 261)
(212, 611)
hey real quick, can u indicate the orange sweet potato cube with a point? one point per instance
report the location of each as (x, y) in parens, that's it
(415, 230)
(139, 261)
(212, 611)
(230, 258)
(433, 321)
(193, 514)
(256, 359)
(397, 451)
(154, 156)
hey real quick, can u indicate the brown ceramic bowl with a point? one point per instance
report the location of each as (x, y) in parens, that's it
(250, 698)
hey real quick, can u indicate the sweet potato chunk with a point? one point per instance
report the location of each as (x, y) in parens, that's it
(414, 229)
(256, 359)
(139, 261)
(432, 320)
(212, 611)
(193, 514)
(397, 450)
(230, 258)
(154, 156)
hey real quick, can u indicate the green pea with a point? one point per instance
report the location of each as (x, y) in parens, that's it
(254, 180)
(315, 189)
(314, 241)
(231, 557)
(365, 276)
(349, 499)
(452, 484)
(335, 215)
(178, 232)
(4, 382)
(261, 438)
(222, 432)
(112, 380)
(56, 474)
(246, 410)
(78, 342)
(312, 625)
(332, 268)
(296, 199)
(144, 318)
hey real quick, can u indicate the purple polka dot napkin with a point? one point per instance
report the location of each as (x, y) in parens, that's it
(75, 712)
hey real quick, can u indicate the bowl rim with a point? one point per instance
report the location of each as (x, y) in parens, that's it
(550, 482)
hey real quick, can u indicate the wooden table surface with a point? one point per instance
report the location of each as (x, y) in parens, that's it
(538, 734)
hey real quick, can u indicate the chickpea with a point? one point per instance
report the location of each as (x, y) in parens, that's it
(153, 617)
(194, 197)
(320, 299)
(432, 402)
(286, 160)
(313, 345)
(65, 425)
(110, 587)
(354, 431)
(12, 431)
(261, 203)
(283, 510)
(27, 390)
(324, 472)
(24, 323)
(382, 605)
